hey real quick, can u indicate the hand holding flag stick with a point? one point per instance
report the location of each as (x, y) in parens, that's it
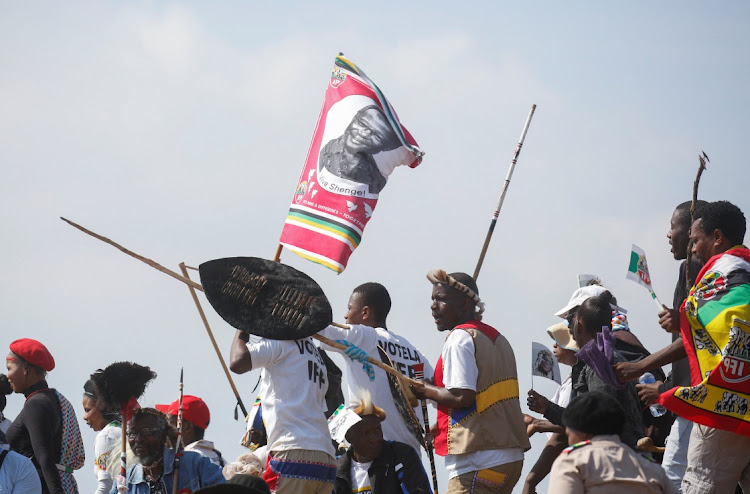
(638, 272)
(502, 193)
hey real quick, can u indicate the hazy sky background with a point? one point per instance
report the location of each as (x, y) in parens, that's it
(180, 129)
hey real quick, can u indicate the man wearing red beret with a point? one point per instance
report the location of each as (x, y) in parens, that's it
(195, 419)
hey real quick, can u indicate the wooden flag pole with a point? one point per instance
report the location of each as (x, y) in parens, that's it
(277, 257)
(502, 193)
(198, 306)
(197, 286)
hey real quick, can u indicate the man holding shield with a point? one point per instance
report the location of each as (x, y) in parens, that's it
(292, 390)
(480, 428)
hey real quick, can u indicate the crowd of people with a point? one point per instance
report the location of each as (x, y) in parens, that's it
(603, 434)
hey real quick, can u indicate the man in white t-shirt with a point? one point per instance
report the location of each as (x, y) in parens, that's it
(292, 390)
(480, 428)
(366, 312)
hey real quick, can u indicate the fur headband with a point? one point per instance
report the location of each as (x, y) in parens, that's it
(440, 276)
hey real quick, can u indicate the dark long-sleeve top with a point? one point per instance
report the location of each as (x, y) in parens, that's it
(680, 375)
(37, 434)
(584, 379)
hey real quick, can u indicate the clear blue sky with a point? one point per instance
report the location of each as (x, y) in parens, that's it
(179, 129)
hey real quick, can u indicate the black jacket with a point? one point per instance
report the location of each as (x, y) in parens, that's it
(398, 467)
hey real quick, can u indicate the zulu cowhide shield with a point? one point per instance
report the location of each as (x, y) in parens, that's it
(401, 400)
(265, 298)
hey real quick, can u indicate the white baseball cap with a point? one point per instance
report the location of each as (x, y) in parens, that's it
(580, 295)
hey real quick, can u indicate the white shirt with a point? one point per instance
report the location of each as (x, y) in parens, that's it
(562, 395)
(18, 475)
(206, 448)
(292, 391)
(360, 477)
(460, 372)
(403, 354)
(107, 440)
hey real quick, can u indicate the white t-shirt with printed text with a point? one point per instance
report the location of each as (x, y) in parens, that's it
(360, 477)
(403, 354)
(460, 372)
(292, 389)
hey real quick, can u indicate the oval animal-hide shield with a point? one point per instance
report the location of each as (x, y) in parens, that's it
(265, 298)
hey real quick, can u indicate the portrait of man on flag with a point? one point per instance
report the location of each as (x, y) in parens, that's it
(351, 156)
(357, 144)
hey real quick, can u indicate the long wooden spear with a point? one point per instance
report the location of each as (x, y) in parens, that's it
(197, 286)
(178, 442)
(198, 306)
(502, 193)
(689, 275)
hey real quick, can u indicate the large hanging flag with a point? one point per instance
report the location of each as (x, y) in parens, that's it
(357, 143)
(715, 327)
(638, 272)
(544, 363)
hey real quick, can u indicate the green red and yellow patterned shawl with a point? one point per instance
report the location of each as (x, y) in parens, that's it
(715, 326)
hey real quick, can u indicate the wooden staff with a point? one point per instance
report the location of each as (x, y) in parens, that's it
(689, 275)
(198, 306)
(502, 193)
(197, 286)
(151, 263)
(177, 453)
(419, 374)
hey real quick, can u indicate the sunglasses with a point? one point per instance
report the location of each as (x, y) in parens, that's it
(145, 432)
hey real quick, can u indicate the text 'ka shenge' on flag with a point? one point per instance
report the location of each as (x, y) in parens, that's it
(357, 143)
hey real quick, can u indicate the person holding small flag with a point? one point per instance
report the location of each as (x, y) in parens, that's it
(676, 445)
(714, 322)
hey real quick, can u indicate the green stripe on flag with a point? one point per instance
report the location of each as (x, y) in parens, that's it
(738, 295)
(322, 222)
(634, 257)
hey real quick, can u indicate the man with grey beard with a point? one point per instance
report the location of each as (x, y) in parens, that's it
(155, 472)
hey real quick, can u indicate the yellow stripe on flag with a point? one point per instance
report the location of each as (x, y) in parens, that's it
(326, 230)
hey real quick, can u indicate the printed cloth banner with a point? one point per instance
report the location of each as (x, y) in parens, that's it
(357, 143)
(715, 326)
(544, 362)
(638, 271)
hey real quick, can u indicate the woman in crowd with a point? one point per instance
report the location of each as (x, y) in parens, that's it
(591, 328)
(108, 439)
(45, 429)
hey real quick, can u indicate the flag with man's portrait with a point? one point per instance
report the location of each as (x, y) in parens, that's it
(357, 143)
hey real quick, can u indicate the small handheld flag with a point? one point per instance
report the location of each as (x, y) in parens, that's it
(638, 272)
(544, 363)
(357, 143)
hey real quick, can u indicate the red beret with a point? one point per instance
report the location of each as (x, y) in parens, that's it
(194, 410)
(33, 352)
